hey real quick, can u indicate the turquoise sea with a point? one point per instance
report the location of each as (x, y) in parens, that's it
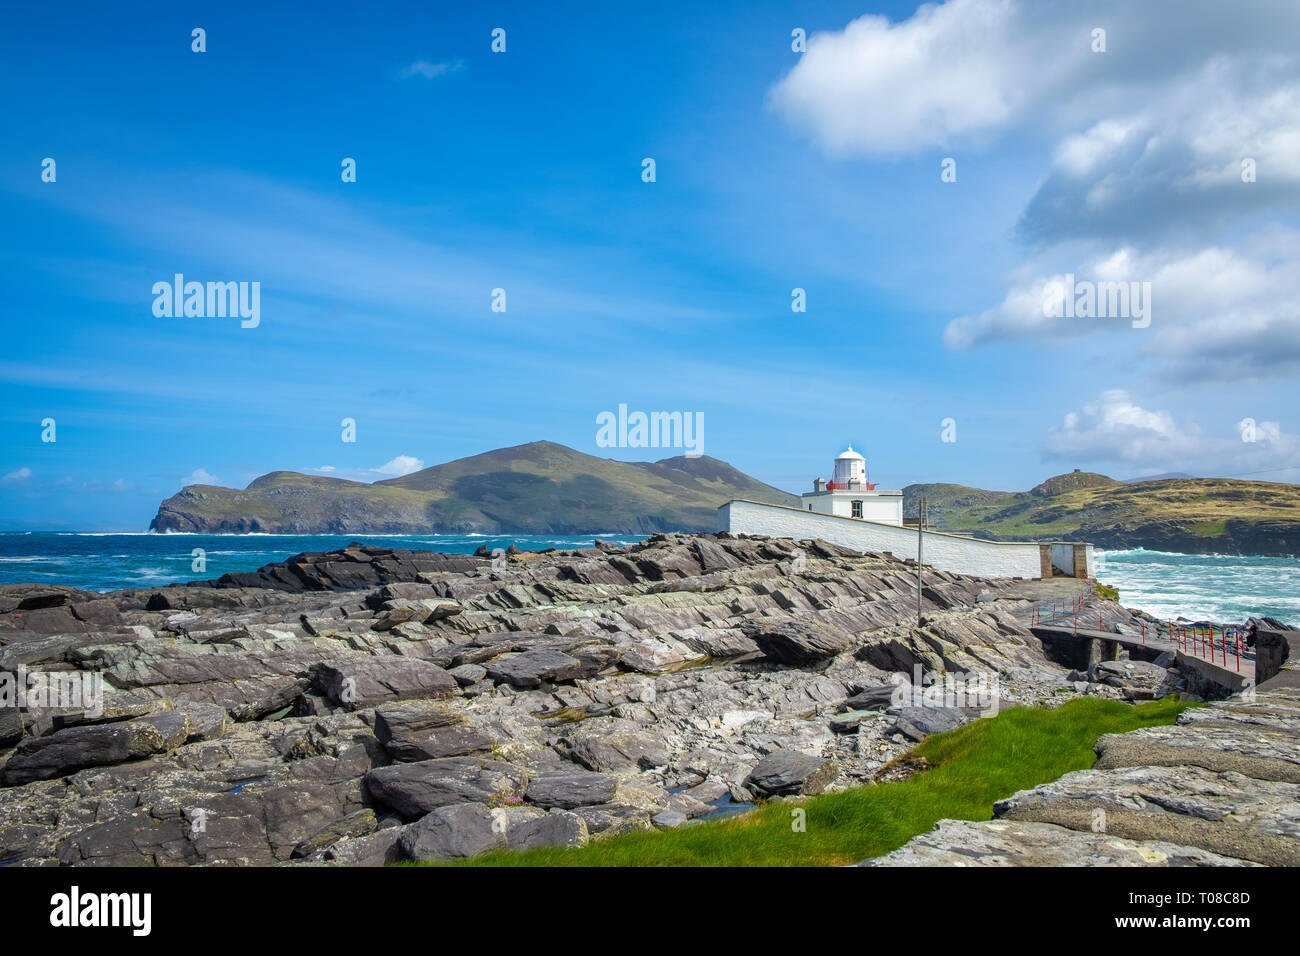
(1199, 587)
(105, 562)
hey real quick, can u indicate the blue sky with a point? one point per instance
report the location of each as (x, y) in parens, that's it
(522, 170)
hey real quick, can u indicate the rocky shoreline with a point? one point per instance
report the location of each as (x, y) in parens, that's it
(371, 704)
(1219, 788)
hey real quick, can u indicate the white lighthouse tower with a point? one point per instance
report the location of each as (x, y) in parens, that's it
(850, 493)
(850, 471)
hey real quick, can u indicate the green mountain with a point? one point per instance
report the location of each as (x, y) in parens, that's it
(538, 488)
(1195, 515)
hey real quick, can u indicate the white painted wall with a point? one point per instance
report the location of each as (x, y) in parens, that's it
(887, 509)
(989, 559)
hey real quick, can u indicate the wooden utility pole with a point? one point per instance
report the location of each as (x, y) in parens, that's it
(920, 526)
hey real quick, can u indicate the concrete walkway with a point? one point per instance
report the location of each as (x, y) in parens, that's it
(1205, 659)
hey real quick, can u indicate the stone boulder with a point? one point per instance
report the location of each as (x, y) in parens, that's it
(569, 789)
(796, 641)
(414, 789)
(555, 829)
(529, 668)
(917, 723)
(67, 751)
(366, 682)
(454, 832)
(787, 772)
(444, 742)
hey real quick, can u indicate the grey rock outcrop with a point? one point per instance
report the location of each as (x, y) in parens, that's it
(321, 709)
(1217, 788)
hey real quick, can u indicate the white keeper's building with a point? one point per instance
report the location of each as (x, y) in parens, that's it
(850, 493)
(852, 512)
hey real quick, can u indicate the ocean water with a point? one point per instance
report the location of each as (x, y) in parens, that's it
(1196, 586)
(1203, 587)
(106, 562)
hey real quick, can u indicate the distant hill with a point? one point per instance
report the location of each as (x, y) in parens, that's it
(1194, 515)
(538, 488)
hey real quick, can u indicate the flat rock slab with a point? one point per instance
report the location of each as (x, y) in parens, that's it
(874, 697)
(11, 726)
(1172, 793)
(243, 699)
(569, 789)
(917, 723)
(797, 641)
(529, 668)
(443, 742)
(414, 789)
(1012, 843)
(75, 748)
(1129, 674)
(367, 682)
(411, 718)
(1256, 751)
(617, 749)
(787, 772)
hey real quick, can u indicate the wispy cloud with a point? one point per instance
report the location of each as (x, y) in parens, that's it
(430, 70)
(1114, 427)
(1158, 149)
(399, 466)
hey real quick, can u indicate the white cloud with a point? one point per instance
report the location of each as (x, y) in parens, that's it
(970, 70)
(879, 88)
(1145, 147)
(1177, 161)
(401, 465)
(199, 476)
(430, 70)
(1115, 428)
(1217, 311)
(22, 474)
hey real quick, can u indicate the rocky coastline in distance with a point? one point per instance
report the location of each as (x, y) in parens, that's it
(538, 488)
(546, 488)
(371, 705)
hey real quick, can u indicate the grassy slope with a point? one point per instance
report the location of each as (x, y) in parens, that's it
(255, 502)
(970, 768)
(1203, 505)
(545, 477)
(541, 482)
(1199, 507)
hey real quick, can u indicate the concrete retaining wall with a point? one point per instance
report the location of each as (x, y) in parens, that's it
(948, 552)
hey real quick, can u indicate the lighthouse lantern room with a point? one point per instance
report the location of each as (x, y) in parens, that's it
(851, 494)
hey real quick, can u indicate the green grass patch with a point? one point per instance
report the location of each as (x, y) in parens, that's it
(1106, 592)
(968, 769)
